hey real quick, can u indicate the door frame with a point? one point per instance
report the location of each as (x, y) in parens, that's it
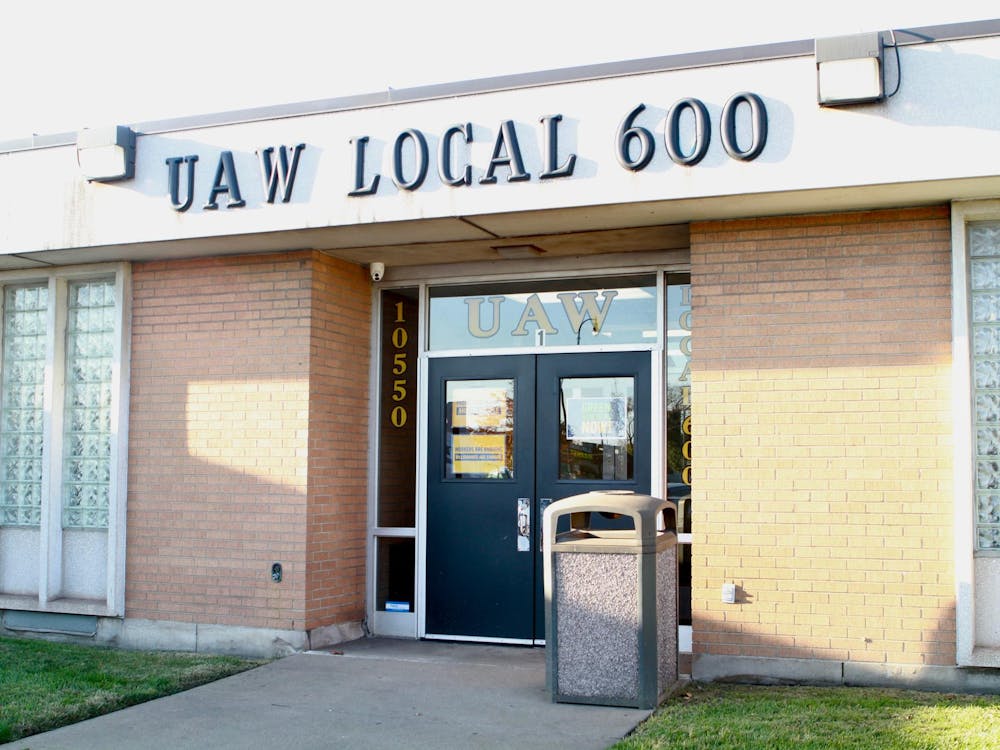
(661, 263)
(505, 561)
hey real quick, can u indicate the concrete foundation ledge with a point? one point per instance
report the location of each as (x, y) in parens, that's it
(912, 677)
(764, 671)
(150, 635)
(773, 671)
(233, 640)
(331, 635)
(238, 641)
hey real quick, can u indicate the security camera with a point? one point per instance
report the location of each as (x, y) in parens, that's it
(377, 271)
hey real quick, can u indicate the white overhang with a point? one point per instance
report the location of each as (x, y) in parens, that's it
(936, 140)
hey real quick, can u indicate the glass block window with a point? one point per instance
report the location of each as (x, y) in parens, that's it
(90, 352)
(984, 273)
(22, 396)
(63, 451)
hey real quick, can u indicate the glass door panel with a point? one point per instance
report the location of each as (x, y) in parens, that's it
(596, 428)
(479, 435)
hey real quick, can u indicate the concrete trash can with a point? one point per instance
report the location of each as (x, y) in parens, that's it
(611, 601)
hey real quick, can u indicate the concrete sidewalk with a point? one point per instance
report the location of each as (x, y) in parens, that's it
(373, 693)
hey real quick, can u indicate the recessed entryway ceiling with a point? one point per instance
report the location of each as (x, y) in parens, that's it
(582, 230)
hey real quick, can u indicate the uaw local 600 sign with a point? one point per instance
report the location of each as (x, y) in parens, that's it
(409, 160)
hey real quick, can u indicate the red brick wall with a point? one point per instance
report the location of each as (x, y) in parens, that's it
(338, 443)
(230, 368)
(822, 436)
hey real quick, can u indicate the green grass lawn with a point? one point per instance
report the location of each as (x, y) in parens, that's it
(724, 717)
(45, 685)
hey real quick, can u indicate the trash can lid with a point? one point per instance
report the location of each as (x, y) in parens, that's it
(644, 510)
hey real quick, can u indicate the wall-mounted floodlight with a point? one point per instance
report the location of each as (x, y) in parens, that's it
(106, 154)
(849, 69)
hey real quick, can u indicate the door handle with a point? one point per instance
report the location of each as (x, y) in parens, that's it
(524, 524)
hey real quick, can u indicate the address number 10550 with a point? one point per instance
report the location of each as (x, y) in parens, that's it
(397, 415)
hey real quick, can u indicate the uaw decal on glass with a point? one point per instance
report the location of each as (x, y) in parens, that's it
(523, 317)
(678, 401)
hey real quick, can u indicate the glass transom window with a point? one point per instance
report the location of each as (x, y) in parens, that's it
(566, 313)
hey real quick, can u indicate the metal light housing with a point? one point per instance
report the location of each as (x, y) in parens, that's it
(106, 154)
(850, 69)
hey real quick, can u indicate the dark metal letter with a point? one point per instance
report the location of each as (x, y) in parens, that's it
(279, 174)
(225, 182)
(444, 156)
(174, 181)
(758, 126)
(628, 132)
(360, 188)
(702, 132)
(420, 154)
(506, 153)
(551, 152)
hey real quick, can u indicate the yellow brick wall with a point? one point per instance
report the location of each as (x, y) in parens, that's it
(234, 403)
(822, 437)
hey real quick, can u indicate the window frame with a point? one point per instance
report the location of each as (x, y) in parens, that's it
(50, 565)
(969, 653)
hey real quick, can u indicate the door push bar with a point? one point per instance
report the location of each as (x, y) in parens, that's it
(524, 524)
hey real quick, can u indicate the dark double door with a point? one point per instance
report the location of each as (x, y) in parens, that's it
(507, 435)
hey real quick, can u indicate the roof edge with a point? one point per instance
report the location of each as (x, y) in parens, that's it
(727, 56)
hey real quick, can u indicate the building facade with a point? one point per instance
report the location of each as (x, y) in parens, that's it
(312, 371)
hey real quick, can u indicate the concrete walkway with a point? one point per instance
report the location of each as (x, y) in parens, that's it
(373, 693)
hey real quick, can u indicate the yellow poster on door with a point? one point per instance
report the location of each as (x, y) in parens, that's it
(483, 455)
